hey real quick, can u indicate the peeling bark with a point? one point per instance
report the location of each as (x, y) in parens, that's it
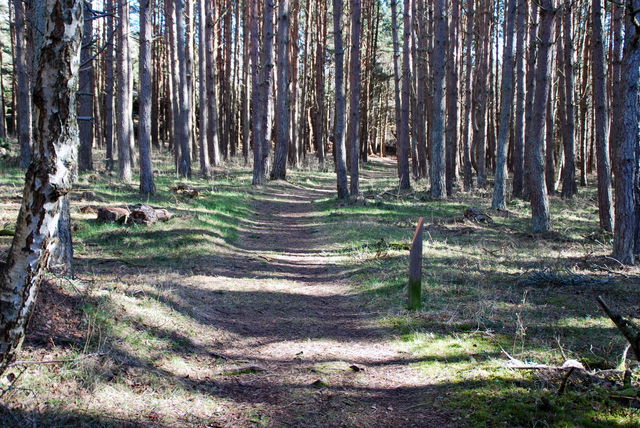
(50, 174)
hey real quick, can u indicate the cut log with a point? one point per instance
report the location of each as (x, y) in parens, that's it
(477, 216)
(144, 214)
(113, 215)
(133, 214)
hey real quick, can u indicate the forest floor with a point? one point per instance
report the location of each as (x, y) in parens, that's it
(280, 306)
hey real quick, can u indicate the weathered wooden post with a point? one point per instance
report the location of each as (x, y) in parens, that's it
(415, 269)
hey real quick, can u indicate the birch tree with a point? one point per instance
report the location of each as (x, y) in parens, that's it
(49, 176)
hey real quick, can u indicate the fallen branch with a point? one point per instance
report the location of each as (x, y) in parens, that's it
(69, 360)
(629, 329)
(542, 277)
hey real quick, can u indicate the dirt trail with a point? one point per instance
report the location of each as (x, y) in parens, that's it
(288, 318)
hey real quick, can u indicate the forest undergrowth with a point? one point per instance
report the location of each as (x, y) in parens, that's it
(144, 349)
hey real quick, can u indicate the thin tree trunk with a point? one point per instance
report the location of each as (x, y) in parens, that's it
(85, 94)
(403, 131)
(319, 116)
(355, 90)
(601, 120)
(539, 197)
(530, 128)
(499, 190)
(108, 83)
(396, 83)
(147, 185)
(518, 151)
(205, 167)
(123, 96)
(569, 185)
(438, 179)
(341, 161)
(212, 95)
(23, 93)
(183, 133)
(452, 100)
(467, 122)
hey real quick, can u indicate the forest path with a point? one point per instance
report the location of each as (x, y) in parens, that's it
(290, 324)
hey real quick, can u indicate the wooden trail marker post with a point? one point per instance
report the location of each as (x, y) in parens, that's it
(415, 269)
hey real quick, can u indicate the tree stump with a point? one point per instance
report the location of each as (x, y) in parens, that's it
(415, 269)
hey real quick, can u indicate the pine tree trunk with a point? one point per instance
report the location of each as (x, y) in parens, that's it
(145, 96)
(279, 171)
(468, 102)
(355, 94)
(625, 168)
(452, 100)
(601, 129)
(213, 140)
(499, 190)
(396, 85)
(518, 150)
(569, 185)
(318, 118)
(23, 93)
(539, 196)
(85, 95)
(340, 113)
(49, 176)
(205, 167)
(183, 133)
(108, 84)
(530, 128)
(403, 131)
(123, 96)
(438, 179)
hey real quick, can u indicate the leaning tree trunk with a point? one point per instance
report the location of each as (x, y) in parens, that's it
(147, 186)
(279, 170)
(539, 197)
(601, 120)
(341, 160)
(625, 176)
(499, 189)
(49, 175)
(438, 184)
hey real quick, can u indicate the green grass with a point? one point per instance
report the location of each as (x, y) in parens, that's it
(153, 345)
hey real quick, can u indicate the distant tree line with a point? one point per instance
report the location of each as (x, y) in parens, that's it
(535, 97)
